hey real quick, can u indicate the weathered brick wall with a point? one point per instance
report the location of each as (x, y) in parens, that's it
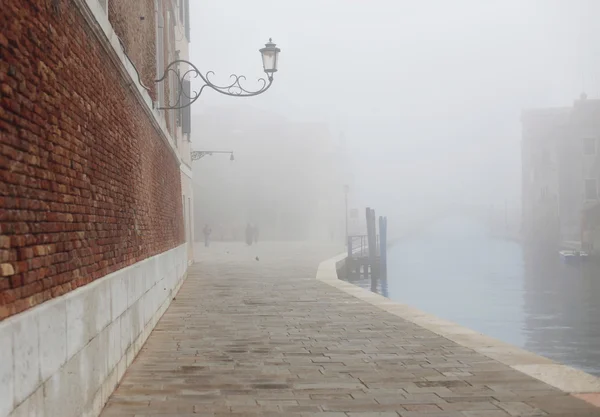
(135, 24)
(87, 186)
(168, 45)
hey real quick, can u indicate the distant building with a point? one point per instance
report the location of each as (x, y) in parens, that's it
(580, 172)
(561, 172)
(541, 133)
(288, 178)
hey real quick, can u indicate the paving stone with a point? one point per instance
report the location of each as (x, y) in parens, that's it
(422, 407)
(468, 406)
(486, 413)
(520, 409)
(431, 414)
(265, 338)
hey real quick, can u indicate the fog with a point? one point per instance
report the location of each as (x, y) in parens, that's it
(421, 99)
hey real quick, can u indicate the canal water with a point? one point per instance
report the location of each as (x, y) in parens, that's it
(456, 271)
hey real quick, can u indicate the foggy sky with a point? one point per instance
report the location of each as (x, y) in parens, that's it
(427, 93)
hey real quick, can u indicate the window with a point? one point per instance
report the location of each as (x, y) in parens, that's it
(589, 146)
(591, 189)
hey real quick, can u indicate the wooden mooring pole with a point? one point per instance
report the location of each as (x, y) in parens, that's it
(372, 265)
(383, 245)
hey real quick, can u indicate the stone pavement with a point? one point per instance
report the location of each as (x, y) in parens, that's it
(248, 337)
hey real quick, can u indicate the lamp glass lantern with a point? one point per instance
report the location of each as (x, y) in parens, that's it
(270, 56)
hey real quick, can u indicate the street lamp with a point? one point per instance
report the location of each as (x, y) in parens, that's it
(185, 98)
(270, 55)
(201, 154)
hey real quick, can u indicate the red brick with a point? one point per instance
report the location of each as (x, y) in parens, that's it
(7, 269)
(16, 281)
(25, 253)
(7, 311)
(5, 242)
(40, 250)
(31, 289)
(10, 296)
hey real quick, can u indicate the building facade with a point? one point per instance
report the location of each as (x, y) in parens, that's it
(95, 194)
(561, 173)
(541, 135)
(580, 174)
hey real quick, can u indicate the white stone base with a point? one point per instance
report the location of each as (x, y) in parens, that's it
(65, 357)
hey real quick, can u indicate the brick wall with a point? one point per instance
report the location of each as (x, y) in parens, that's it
(87, 186)
(168, 57)
(134, 22)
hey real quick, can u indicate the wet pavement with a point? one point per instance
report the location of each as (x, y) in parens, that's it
(253, 333)
(524, 297)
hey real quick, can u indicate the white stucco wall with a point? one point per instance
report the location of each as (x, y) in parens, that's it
(65, 357)
(187, 191)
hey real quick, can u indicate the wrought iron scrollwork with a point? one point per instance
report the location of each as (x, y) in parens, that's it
(199, 154)
(195, 155)
(186, 97)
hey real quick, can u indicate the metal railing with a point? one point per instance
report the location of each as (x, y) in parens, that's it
(358, 246)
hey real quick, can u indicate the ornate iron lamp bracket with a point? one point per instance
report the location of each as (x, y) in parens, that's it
(186, 97)
(201, 154)
(198, 154)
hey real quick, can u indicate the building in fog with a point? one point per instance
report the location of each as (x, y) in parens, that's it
(561, 171)
(287, 177)
(541, 135)
(96, 191)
